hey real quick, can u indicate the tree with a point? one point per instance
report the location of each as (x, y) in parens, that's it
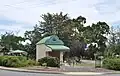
(78, 42)
(96, 34)
(113, 42)
(33, 36)
(68, 30)
(57, 24)
(9, 40)
(71, 31)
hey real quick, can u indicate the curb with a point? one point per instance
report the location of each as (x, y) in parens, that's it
(112, 73)
(84, 73)
(29, 71)
(55, 72)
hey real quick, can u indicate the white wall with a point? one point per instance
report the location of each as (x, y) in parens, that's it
(41, 51)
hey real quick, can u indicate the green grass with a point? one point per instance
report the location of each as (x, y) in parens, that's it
(85, 64)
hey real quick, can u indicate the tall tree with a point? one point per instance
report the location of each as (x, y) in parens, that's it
(57, 24)
(33, 36)
(113, 42)
(68, 30)
(78, 41)
(97, 34)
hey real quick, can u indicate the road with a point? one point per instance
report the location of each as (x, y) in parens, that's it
(111, 75)
(12, 73)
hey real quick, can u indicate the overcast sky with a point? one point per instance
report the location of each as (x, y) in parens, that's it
(21, 15)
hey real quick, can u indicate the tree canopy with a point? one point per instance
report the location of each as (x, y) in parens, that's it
(11, 41)
(72, 31)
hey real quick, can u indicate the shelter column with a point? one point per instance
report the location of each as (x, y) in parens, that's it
(61, 57)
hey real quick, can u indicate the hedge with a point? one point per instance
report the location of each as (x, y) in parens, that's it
(16, 61)
(49, 61)
(112, 63)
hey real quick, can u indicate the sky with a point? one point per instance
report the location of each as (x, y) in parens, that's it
(21, 15)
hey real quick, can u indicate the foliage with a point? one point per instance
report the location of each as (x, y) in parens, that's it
(49, 61)
(57, 24)
(15, 61)
(113, 43)
(77, 49)
(9, 40)
(72, 31)
(95, 35)
(112, 63)
(32, 62)
(89, 53)
(34, 36)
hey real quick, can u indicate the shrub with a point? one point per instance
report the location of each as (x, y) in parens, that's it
(31, 62)
(112, 63)
(15, 61)
(49, 61)
(1, 58)
(21, 58)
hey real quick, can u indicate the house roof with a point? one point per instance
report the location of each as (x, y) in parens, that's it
(51, 40)
(54, 43)
(44, 40)
(18, 51)
(58, 47)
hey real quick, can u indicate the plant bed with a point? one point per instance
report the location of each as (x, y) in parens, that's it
(16, 61)
(112, 63)
(41, 68)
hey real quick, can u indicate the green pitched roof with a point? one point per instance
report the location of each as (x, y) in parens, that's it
(51, 40)
(54, 43)
(44, 40)
(58, 47)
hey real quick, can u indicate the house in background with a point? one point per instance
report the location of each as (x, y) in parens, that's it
(17, 53)
(50, 46)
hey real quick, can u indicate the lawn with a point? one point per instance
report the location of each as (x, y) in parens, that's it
(84, 64)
